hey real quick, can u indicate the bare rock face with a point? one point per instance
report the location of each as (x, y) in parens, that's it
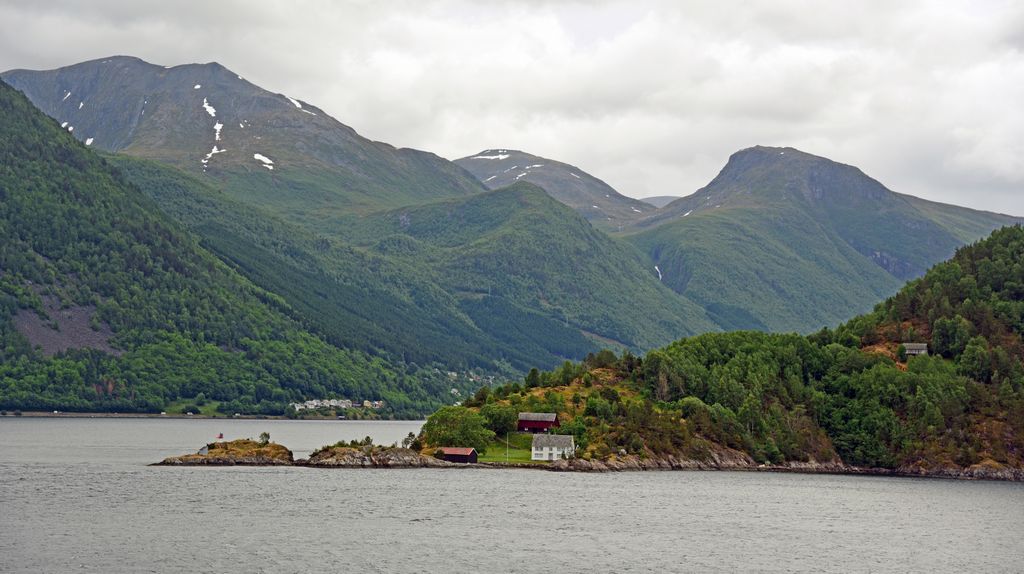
(243, 452)
(987, 469)
(373, 457)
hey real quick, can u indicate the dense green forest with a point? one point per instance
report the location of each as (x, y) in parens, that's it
(78, 238)
(851, 392)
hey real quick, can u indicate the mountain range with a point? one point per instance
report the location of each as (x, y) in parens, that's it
(498, 261)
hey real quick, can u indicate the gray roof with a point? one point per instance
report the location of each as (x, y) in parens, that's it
(553, 440)
(915, 346)
(549, 417)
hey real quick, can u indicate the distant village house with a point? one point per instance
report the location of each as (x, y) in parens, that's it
(553, 447)
(916, 348)
(537, 422)
(335, 404)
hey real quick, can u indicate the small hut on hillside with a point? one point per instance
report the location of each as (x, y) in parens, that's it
(537, 422)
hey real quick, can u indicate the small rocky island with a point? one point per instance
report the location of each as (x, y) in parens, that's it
(371, 457)
(241, 452)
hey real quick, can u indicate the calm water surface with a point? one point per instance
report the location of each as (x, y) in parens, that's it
(76, 496)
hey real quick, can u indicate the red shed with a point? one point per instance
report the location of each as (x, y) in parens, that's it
(458, 454)
(537, 422)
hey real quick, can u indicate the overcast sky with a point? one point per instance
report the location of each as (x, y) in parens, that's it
(652, 97)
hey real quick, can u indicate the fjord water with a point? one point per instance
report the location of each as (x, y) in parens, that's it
(76, 496)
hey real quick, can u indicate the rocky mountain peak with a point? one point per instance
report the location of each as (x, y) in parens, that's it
(781, 171)
(597, 201)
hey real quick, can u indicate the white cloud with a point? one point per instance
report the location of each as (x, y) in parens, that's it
(650, 96)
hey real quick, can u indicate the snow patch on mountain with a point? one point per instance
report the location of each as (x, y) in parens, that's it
(294, 101)
(216, 131)
(88, 141)
(197, 86)
(209, 109)
(80, 104)
(574, 175)
(266, 161)
(659, 272)
(212, 153)
(499, 156)
(66, 96)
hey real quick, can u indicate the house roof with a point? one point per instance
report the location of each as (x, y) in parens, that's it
(553, 440)
(457, 450)
(547, 417)
(915, 346)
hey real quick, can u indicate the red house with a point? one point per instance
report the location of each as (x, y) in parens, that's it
(458, 454)
(537, 422)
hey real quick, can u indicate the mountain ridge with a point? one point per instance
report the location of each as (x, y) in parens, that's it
(258, 145)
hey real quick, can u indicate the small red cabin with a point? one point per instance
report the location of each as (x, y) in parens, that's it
(458, 454)
(537, 422)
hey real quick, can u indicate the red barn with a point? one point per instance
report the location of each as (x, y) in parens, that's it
(537, 422)
(458, 454)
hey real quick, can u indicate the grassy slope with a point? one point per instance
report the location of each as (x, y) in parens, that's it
(968, 225)
(765, 269)
(520, 449)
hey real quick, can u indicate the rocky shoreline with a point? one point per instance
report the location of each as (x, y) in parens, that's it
(980, 471)
(251, 453)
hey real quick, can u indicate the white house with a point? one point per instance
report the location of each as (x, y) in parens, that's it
(553, 446)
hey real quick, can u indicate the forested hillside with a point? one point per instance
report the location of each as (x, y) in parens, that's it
(141, 314)
(357, 298)
(850, 394)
